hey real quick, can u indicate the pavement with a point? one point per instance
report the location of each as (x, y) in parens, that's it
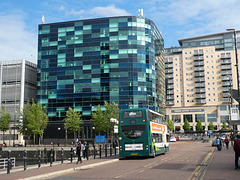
(219, 165)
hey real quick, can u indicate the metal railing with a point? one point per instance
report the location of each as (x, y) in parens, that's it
(4, 162)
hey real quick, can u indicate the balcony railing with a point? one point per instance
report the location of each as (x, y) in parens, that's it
(200, 90)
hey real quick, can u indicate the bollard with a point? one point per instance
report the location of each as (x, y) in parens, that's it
(25, 160)
(51, 157)
(94, 152)
(105, 150)
(62, 156)
(100, 154)
(9, 162)
(39, 158)
(71, 154)
(110, 150)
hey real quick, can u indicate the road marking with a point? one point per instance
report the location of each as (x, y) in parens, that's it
(202, 166)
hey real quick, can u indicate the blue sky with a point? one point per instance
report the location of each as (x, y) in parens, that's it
(176, 19)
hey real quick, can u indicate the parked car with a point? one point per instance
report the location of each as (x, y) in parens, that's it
(173, 139)
(177, 138)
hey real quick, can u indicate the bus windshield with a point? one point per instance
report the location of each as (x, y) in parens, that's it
(133, 131)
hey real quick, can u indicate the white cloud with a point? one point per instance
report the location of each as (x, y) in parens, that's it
(16, 41)
(108, 11)
(179, 19)
(61, 8)
(76, 13)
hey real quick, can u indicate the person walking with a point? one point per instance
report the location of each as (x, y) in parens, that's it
(218, 143)
(85, 151)
(236, 148)
(226, 140)
(78, 150)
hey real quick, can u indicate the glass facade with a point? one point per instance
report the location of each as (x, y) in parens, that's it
(83, 63)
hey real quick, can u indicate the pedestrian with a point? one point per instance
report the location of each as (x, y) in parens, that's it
(218, 143)
(226, 140)
(78, 150)
(236, 148)
(85, 151)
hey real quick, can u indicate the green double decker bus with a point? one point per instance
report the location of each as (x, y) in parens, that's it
(142, 133)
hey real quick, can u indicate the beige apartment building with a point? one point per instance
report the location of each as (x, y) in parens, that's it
(200, 77)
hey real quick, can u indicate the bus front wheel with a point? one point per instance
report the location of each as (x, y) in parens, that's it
(154, 153)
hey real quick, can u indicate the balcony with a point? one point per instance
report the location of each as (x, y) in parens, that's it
(226, 78)
(169, 76)
(169, 103)
(198, 52)
(225, 89)
(226, 67)
(200, 101)
(226, 95)
(170, 81)
(199, 63)
(169, 71)
(168, 60)
(198, 85)
(198, 58)
(201, 74)
(226, 83)
(227, 72)
(200, 96)
(225, 56)
(202, 79)
(226, 100)
(225, 61)
(170, 87)
(198, 68)
(169, 92)
(200, 90)
(170, 98)
(168, 66)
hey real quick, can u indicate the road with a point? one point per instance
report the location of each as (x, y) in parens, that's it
(185, 160)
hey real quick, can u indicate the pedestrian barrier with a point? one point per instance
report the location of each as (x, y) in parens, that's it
(4, 162)
(41, 155)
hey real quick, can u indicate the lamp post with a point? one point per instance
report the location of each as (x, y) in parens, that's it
(148, 96)
(14, 124)
(93, 129)
(236, 54)
(59, 129)
(115, 123)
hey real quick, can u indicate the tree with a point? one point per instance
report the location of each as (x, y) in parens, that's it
(224, 125)
(112, 111)
(210, 126)
(186, 126)
(170, 125)
(5, 120)
(101, 119)
(199, 125)
(72, 121)
(33, 120)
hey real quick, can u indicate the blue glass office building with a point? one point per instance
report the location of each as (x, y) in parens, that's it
(83, 63)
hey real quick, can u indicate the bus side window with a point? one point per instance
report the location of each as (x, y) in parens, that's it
(160, 138)
(154, 137)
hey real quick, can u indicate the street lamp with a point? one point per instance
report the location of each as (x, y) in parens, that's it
(148, 96)
(59, 129)
(14, 124)
(115, 123)
(236, 54)
(93, 129)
